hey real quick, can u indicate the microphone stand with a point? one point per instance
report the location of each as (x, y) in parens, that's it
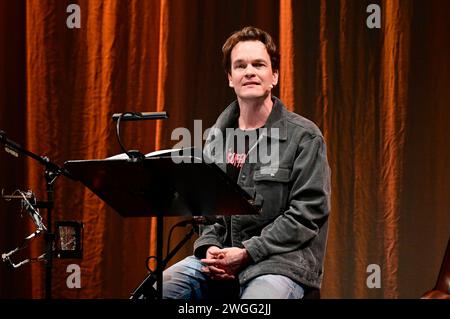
(137, 157)
(52, 171)
(145, 290)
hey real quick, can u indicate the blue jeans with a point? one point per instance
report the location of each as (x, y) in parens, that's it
(184, 280)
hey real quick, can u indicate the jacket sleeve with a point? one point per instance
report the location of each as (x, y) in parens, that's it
(210, 235)
(308, 204)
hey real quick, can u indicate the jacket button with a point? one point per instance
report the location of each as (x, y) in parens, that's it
(243, 175)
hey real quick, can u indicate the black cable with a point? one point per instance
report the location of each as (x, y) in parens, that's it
(118, 129)
(182, 223)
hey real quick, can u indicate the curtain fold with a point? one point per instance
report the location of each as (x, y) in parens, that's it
(286, 48)
(76, 80)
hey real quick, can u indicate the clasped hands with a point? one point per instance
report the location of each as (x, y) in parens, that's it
(224, 264)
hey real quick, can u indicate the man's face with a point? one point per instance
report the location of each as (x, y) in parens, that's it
(251, 70)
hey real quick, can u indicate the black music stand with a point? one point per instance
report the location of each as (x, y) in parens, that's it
(158, 186)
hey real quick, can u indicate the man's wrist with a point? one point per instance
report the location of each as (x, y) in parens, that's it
(246, 257)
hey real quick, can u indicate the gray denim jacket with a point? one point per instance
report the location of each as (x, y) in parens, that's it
(289, 236)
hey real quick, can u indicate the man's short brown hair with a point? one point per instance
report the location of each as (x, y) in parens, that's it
(250, 34)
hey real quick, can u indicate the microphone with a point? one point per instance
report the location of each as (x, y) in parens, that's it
(138, 116)
(7, 142)
(10, 147)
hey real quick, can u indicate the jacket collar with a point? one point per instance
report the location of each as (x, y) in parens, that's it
(277, 119)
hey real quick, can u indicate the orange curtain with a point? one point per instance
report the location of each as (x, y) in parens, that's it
(380, 97)
(76, 79)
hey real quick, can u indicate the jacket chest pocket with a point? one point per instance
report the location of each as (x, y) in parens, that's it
(273, 186)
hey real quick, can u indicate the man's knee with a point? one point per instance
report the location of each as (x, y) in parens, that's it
(183, 280)
(272, 287)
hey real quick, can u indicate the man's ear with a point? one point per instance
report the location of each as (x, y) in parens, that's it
(275, 77)
(230, 81)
